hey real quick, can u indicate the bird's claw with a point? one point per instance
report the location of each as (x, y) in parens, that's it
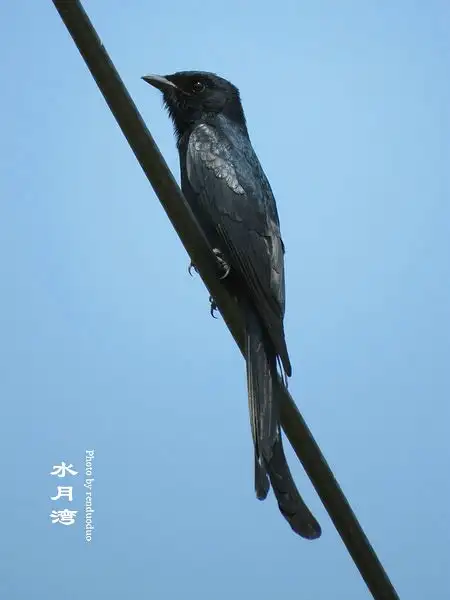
(214, 307)
(192, 266)
(223, 265)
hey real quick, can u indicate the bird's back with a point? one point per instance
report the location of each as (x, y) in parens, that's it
(231, 197)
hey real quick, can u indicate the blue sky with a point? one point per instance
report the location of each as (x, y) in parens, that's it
(107, 343)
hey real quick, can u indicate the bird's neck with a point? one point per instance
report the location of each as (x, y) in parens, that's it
(218, 121)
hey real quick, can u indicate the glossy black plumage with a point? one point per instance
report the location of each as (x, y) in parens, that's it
(230, 195)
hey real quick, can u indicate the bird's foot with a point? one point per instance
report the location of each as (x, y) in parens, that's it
(214, 307)
(224, 267)
(192, 266)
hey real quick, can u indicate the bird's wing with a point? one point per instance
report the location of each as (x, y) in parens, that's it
(230, 186)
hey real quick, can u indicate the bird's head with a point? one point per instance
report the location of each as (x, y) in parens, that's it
(193, 96)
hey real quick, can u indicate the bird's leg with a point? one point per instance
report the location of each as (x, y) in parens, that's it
(192, 266)
(223, 265)
(214, 307)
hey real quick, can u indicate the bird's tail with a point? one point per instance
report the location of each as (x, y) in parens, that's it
(270, 460)
(290, 503)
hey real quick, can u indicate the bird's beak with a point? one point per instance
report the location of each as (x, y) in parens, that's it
(161, 83)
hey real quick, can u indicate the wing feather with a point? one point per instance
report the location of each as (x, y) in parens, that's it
(233, 191)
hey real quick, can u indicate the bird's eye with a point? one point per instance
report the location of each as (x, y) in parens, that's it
(198, 87)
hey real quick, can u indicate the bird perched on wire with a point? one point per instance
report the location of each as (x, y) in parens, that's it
(231, 198)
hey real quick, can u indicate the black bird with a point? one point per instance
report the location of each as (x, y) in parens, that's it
(232, 200)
